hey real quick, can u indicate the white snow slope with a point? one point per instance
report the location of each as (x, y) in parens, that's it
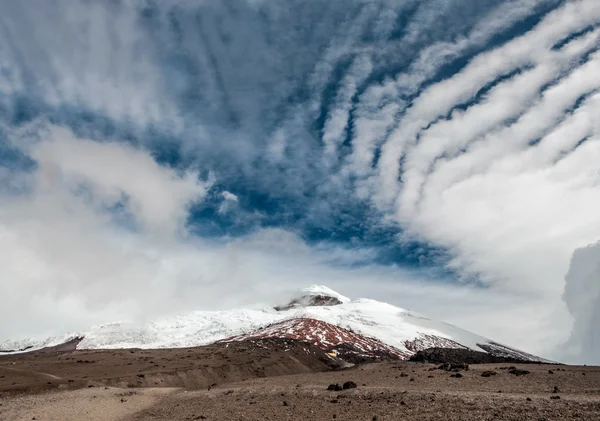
(391, 325)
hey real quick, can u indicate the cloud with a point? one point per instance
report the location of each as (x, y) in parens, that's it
(582, 296)
(92, 55)
(317, 136)
(87, 227)
(229, 202)
(495, 163)
(115, 174)
(70, 262)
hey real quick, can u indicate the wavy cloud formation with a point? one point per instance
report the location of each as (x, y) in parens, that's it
(449, 139)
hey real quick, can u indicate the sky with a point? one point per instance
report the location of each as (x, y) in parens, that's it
(158, 157)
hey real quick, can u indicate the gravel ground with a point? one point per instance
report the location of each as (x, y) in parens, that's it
(246, 382)
(397, 392)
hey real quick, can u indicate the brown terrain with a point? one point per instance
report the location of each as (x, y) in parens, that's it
(267, 379)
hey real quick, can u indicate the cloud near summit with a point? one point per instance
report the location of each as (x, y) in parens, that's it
(181, 148)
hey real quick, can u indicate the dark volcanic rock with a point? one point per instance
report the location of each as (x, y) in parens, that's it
(504, 351)
(455, 367)
(16, 350)
(344, 343)
(70, 345)
(488, 373)
(518, 372)
(355, 355)
(317, 300)
(349, 385)
(465, 356)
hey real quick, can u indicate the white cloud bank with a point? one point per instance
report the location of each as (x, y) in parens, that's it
(86, 229)
(582, 295)
(112, 174)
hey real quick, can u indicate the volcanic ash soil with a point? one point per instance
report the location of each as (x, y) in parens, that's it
(284, 381)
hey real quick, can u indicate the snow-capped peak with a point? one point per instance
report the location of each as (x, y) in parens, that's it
(315, 309)
(325, 291)
(314, 296)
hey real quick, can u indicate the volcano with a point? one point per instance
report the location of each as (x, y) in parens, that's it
(355, 329)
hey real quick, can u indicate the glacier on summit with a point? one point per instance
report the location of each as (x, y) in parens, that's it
(393, 326)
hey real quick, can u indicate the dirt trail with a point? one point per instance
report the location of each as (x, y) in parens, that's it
(35, 373)
(90, 404)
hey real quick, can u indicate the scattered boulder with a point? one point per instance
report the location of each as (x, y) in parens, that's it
(517, 371)
(454, 367)
(488, 373)
(457, 375)
(349, 385)
(555, 397)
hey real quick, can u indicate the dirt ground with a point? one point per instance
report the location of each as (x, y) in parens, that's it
(244, 382)
(192, 368)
